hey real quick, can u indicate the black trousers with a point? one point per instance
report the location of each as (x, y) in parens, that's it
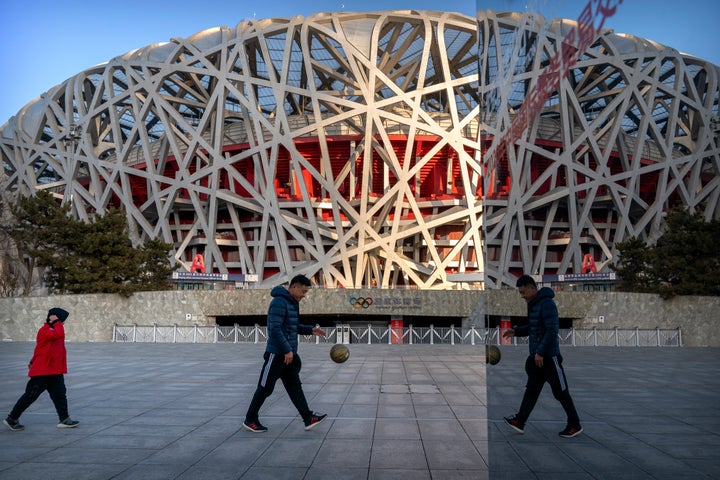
(553, 373)
(55, 386)
(274, 369)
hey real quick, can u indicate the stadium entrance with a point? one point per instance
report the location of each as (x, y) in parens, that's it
(334, 320)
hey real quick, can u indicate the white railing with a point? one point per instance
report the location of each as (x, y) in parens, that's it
(373, 334)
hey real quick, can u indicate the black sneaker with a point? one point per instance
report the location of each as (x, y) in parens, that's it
(68, 423)
(515, 424)
(314, 420)
(255, 427)
(13, 424)
(570, 432)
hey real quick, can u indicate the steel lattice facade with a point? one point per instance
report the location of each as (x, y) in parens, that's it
(631, 132)
(346, 146)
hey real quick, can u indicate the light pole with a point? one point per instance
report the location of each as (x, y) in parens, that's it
(71, 141)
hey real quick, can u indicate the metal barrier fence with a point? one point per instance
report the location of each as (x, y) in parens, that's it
(373, 334)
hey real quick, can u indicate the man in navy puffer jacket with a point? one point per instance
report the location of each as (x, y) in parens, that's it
(281, 359)
(545, 362)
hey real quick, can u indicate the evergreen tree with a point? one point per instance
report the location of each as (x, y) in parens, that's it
(686, 258)
(96, 257)
(38, 225)
(684, 261)
(634, 266)
(105, 258)
(155, 270)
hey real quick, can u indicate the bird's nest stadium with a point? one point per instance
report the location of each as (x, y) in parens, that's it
(349, 147)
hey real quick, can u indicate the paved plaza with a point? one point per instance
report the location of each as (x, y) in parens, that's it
(174, 411)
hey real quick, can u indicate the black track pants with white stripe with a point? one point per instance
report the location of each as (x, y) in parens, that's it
(553, 373)
(274, 369)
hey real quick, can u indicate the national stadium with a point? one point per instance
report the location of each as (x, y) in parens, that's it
(353, 148)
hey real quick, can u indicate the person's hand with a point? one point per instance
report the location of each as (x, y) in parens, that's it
(538, 360)
(509, 333)
(318, 331)
(288, 357)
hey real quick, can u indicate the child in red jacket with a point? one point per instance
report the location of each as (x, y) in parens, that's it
(47, 367)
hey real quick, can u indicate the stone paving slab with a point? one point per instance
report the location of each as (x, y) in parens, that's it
(174, 411)
(647, 413)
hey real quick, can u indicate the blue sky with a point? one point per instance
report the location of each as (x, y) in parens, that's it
(42, 42)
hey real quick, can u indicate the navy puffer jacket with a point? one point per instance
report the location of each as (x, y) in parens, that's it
(543, 325)
(283, 322)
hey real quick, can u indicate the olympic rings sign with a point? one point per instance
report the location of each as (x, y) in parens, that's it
(361, 302)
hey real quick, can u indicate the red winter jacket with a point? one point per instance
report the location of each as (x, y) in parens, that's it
(50, 357)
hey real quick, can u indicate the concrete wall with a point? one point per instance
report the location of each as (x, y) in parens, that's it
(92, 316)
(698, 317)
